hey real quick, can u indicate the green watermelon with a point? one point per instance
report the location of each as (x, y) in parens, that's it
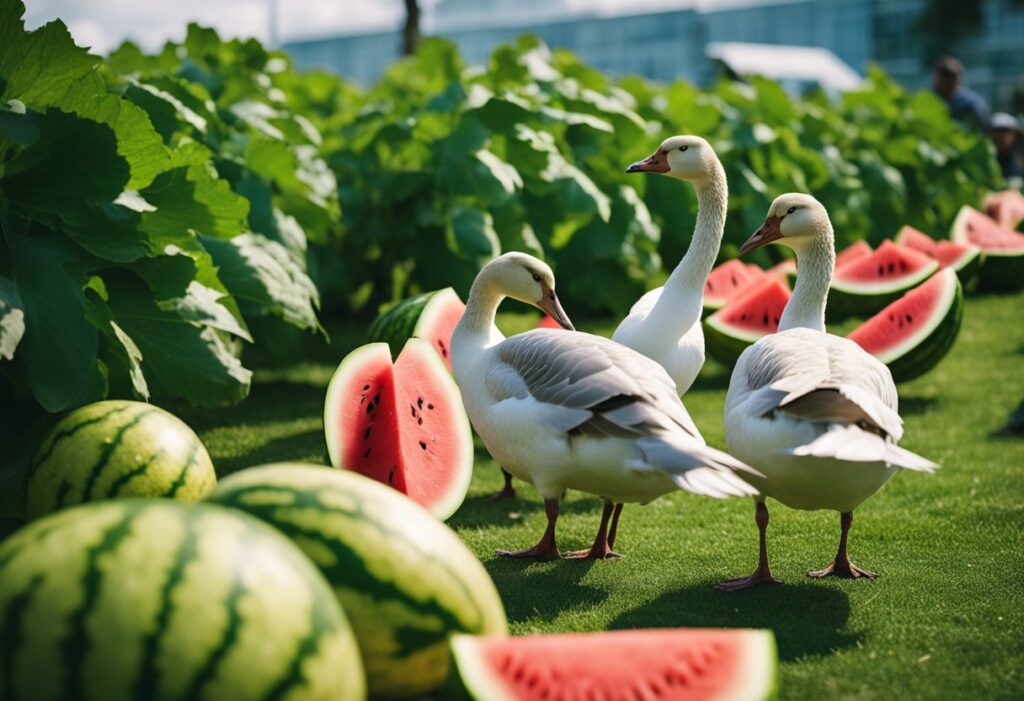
(864, 285)
(1003, 268)
(728, 281)
(964, 258)
(403, 425)
(915, 332)
(431, 316)
(755, 313)
(155, 599)
(683, 664)
(116, 449)
(404, 578)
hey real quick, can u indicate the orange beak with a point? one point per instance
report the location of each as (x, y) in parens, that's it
(550, 305)
(657, 162)
(769, 231)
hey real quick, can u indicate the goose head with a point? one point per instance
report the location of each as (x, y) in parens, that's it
(682, 157)
(795, 220)
(527, 279)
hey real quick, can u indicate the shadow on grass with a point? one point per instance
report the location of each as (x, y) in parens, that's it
(480, 511)
(912, 406)
(543, 589)
(806, 618)
(283, 449)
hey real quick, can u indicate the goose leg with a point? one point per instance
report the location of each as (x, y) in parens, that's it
(841, 566)
(507, 492)
(762, 575)
(602, 547)
(545, 549)
(615, 525)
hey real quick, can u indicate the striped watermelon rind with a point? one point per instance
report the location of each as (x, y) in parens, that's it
(405, 579)
(156, 599)
(116, 449)
(415, 317)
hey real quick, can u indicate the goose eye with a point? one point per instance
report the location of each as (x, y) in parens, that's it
(536, 277)
(790, 210)
(683, 148)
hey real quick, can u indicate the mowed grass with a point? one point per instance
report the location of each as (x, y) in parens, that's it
(943, 621)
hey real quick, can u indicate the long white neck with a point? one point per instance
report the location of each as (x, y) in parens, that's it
(476, 330)
(816, 261)
(680, 304)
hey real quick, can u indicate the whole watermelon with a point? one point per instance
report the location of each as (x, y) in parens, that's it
(155, 599)
(404, 578)
(116, 449)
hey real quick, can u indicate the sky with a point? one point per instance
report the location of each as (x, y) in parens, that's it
(104, 24)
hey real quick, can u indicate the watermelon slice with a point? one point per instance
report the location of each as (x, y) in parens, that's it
(964, 258)
(915, 332)
(786, 270)
(402, 424)
(1003, 268)
(747, 318)
(866, 284)
(1006, 207)
(855, 251)
(683, 664)
(548, 322)
(727, 281)
(431, 316)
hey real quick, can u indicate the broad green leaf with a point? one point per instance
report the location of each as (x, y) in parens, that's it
(12, 318)
(121, 345)
(180, 359)
(191, 198)
(58, 350)
(261, 272)
(473, 234)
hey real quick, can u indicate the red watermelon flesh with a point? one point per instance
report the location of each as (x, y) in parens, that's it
(684, 664)
(948, 253)
(727, 281)
(855, 251)
(757, 311)
(784, 270)
(971, 226)
(889, 261)
(548, 322)
(1006, 207)
(403, 425)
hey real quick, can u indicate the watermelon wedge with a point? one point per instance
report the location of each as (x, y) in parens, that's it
(1003, 268)
(754, 314)
(964, 258)
(402, 424)
(1006, 207)
(915, 332)
(548, 322)
(431, 316)
(866, 284)
(855, 251)
(727, 282)
(683, 664)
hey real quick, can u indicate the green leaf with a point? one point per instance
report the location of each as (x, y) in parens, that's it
(12, 318)
(181, 359)
(126, 353)
(38, 67)
(262, 272)
(191, 198)
(58, 350)
(473, 234)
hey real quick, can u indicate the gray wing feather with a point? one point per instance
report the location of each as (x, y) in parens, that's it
(696, 468)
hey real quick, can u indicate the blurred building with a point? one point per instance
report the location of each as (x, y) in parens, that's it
(672, 44)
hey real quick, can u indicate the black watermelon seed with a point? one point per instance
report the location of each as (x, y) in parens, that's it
(413, 409)
(909, 318)
(366, 433)
(430, 406)
(366, 453)
(366, 387)
(376, 398)
(419, 402)
(423, 445)
(419, 421)
(369, 408)
(391, 474)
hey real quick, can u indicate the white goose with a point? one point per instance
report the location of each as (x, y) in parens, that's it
(572, 410)
(813, 412)
(664, 324)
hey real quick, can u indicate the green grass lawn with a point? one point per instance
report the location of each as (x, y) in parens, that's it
(944, 619)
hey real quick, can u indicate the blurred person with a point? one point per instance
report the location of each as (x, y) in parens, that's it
(965, 105)
(1005, 131)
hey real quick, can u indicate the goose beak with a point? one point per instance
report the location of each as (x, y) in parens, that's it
(657, 162)
(769, 231)
(550, 305)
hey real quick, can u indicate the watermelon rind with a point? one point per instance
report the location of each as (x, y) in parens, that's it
(117, 448)
(473, 679)
(725, 343)
(1001, 270)
(158, 599)
(930, 343)
(846, 298)
(405, 580)
(411, 317)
